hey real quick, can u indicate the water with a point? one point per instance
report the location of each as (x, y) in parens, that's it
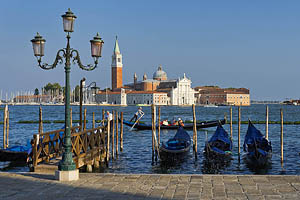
(136, 156)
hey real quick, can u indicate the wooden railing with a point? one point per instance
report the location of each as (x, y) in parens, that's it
(88, 146)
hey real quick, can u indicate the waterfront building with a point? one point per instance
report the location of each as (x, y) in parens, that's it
(147, 97)
(111, 97)
(183, 93)
(219, 96)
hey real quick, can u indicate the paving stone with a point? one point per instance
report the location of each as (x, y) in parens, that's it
(132, 186)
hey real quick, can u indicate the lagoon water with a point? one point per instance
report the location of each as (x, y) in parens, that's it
(136, 156)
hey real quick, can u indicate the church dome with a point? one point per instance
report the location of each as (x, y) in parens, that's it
(160, 74)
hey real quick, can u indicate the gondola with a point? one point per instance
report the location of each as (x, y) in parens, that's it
(15, 154)
(187, 126)
(257, 148)
(219, 146)
(177, 147)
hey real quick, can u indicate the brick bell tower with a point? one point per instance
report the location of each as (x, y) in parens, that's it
(116, 68)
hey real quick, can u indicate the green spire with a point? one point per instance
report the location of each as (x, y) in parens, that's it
(117, 49)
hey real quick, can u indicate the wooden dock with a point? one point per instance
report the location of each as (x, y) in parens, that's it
(90, 147)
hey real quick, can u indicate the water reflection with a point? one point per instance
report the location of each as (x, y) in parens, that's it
(214, 165)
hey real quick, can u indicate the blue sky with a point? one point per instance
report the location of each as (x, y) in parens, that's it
(233, 43)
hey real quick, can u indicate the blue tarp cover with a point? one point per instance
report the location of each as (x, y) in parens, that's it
(253, 136)
(221, 135)
(182, 135)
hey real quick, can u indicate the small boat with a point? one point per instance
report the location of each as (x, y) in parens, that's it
(141, 104)
(16, 153)
(176, 147)
(219, 146)
(257, 148)
(203, 124)
(210, 106)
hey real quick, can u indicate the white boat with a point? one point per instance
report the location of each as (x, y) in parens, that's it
(210, 106)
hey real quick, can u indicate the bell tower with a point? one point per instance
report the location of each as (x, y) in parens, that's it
(116, 68)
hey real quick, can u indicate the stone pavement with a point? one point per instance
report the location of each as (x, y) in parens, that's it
(92, 186)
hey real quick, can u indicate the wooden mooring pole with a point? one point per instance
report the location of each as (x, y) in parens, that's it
(84, 119)
(117, 133)
(113, 137)
(121, 134)
(71, 117)
(7, 129)
(267, 122)
(103, 116)
(281, 135)
(4, 126)
(40, 120)
(80, 102)
(155, 147)
(108, 141)
(158, 125)
(231, 133)
(93, 119)
(239, 130)
(153, 127)
(194, 131)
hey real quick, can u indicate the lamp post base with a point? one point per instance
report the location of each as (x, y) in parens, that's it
(67, 175)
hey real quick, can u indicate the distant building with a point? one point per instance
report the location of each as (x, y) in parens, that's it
(132, 97)
(183, 93)
(36, 99)
(147, 97)
(179, 91)
(219, 96)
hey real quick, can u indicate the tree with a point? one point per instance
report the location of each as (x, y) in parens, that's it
(48, 87)
(36, 91)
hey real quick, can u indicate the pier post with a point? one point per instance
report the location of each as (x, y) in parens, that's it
(84, 119)
(231, 133)
(155, 147)
(108, 141)
(281, 135)
(80, 102)
(267, 122)
(4, 126)
(121, 134)
(195, 130)
(158, 125)
(117, 133)
(7, 129)
(40, 120)
(71, 117)
(34, 150)
(113, 136)
(103, 116)
(152, 119)
(239, 130)
(93, 119)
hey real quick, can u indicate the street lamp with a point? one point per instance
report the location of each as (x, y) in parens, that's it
(38, 43)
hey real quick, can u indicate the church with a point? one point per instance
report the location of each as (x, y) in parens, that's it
(159, 90)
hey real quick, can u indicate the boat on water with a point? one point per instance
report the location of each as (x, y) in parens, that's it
(257, 148)
(210, 106)
(16, 153)
(202, 124)
(143, 105)
(219, 146)
(177, 147)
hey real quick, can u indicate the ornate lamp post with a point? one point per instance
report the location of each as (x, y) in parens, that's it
(67, 165)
